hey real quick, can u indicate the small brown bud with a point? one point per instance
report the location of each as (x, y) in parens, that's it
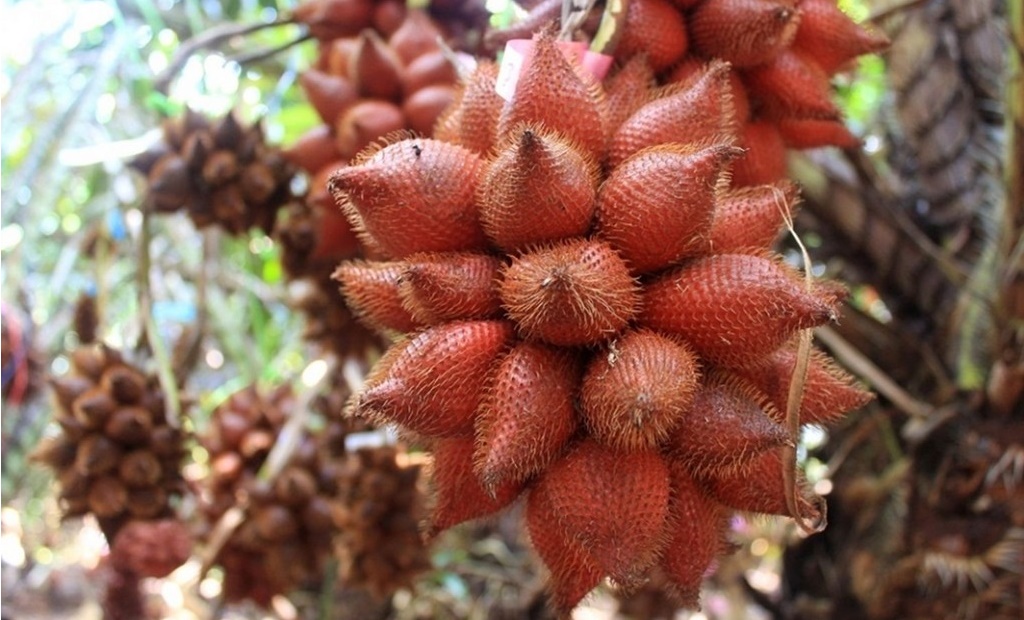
(295, 486)
(108, 497)
(147, 503)
(258, 183)
(124, 383)
(275, 523)
(93, 408)
(220, 168)
(67, 389)
(140, 468)
(131, 425)
(256, 443)
(96, 455)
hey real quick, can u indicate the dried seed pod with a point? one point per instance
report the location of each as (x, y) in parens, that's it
(130, 425)
(96, 455)
(575, 293)
(124, 383)
(656, 207)
(637, 391)
(414, 196)
(735, 308)
(140, 468)
(528, 415)
(93, 407)
(108, 497)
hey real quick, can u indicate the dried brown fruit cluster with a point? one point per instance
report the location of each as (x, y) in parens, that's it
(377, 515)
(220, 172)
(116, 456)
(594, 318)
(784, 52)
(285, 539)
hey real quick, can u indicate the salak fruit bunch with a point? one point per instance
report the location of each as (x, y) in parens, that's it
(284, 540)
(116, 456)
(220, 172)
(783, 53)
(594, 320)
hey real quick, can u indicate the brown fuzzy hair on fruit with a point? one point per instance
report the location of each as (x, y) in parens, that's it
(627, 380)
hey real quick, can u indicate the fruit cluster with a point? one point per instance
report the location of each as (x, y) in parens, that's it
(595, 319)
(783, 53)
(221, 173)
(377, 515)
(116, 457)
(284, 540)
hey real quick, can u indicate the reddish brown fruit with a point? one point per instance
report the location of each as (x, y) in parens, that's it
(700, 110)
(751, 217)
(574, 572)
(329, 95)
(613, 503)
(696, 525)
(635, 393)
(371, 290)
(655, 28)
(152, 548)
(759, 488)
(374, 68)
(365, 122)
(140, 468)
(547, 87)
(575, 293)
(809, 133)
(338, 53)
(313, 150)
(728, 424)
(831, 38)
(415, 37)
(432, 68)
(96, 455)
(735, 308)
(130, 425)
(743, 32)
(538, 188)
(425, 106)
(147, 503)
(691, 66)
(124, 383)
(765, 158)
(331, 19)
(68, 388)
(472, 120)
(434, 382)
(435, 288)
(414, 196)
(527, 416)
(828, 391)
(388, 17)
(458, 494)
(791, 85)
(93, 408)
(628, 90)
(108, 497)
(656, 207)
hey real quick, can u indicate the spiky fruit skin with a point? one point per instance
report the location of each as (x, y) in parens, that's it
(607, 385)
(117, 457)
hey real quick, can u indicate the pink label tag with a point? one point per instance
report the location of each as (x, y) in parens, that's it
(519, 52)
